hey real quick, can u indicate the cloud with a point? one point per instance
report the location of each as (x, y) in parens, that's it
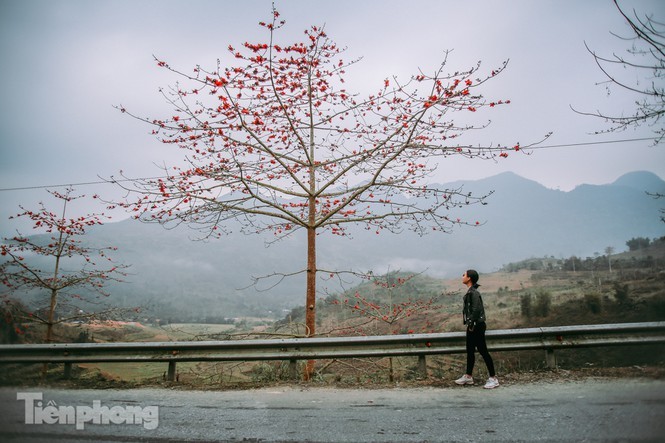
(67, 63)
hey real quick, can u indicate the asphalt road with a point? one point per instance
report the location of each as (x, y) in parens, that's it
(566, 411)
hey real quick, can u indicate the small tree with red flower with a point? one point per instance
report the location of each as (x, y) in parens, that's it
(276, 142)
(69, 266)
(389, 310)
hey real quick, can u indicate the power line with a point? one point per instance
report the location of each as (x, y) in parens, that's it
(103, 182)
(593, 143)
(27, 188)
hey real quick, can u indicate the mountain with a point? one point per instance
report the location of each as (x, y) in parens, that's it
(173, 275)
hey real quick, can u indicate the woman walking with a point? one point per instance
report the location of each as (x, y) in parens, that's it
(473, 314)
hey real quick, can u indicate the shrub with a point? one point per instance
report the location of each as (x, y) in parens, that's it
(543, 303)
(621, 293)
(525, 305)
(593, 302)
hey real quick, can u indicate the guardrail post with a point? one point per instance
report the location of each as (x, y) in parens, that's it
(170, 376)
(68, 371)
(550, 358)
(293, 369)
(422, 366)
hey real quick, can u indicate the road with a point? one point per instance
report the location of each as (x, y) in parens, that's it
(616, 410)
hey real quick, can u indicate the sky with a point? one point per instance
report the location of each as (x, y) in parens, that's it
(67, 63)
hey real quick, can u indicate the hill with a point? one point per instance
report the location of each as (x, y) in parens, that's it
(174, 276)
(530, 293)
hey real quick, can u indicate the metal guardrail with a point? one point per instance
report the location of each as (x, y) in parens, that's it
(293, 349)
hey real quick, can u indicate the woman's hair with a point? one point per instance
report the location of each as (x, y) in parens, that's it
(473, 275)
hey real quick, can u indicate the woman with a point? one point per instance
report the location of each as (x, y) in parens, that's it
(474, 319)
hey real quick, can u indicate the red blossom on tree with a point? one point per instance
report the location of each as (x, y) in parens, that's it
(276, 141)
(70, 267)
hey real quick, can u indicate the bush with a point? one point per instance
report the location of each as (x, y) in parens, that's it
(543, 303)
(270, 372)
(593, 302)
(526, 305)
(621, 293)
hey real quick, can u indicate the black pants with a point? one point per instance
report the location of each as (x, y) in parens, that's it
(476, 340)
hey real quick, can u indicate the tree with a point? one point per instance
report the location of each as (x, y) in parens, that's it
(526, 305)
(11, 328)
(609, 251)
(70, 266)
(391, 307)
(543, 303)
(646, 58)
(397, 316)
(637, 243)
(278, 144)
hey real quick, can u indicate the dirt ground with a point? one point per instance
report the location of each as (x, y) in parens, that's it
(93, 379)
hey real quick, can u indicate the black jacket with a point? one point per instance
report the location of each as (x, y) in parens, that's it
(474, 311)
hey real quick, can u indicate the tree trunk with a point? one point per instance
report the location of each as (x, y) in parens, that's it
(49, 326)
(310, 306)
(51, 316)
(310, 311)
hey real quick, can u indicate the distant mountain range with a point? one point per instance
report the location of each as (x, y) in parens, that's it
(173, 275)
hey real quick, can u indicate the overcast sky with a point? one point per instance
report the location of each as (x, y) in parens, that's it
(66, 63)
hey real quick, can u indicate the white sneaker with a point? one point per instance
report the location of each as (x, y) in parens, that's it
(492, 383)
(464, 380)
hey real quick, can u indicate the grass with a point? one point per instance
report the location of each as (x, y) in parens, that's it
(191, 331)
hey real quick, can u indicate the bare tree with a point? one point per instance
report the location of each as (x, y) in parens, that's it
(70, 267)
(279, 144)
(641, 71)
(609, 251)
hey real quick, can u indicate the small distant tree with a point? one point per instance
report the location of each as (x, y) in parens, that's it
(526, 305)
(69, 268)
(11, 328)
(637, 243)
(593, 302)
(609, 251)
(386, 310)
(621, 293)
(405, 316)
(277, 143)
(571, 264)
(543, 303)
(646, 58)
